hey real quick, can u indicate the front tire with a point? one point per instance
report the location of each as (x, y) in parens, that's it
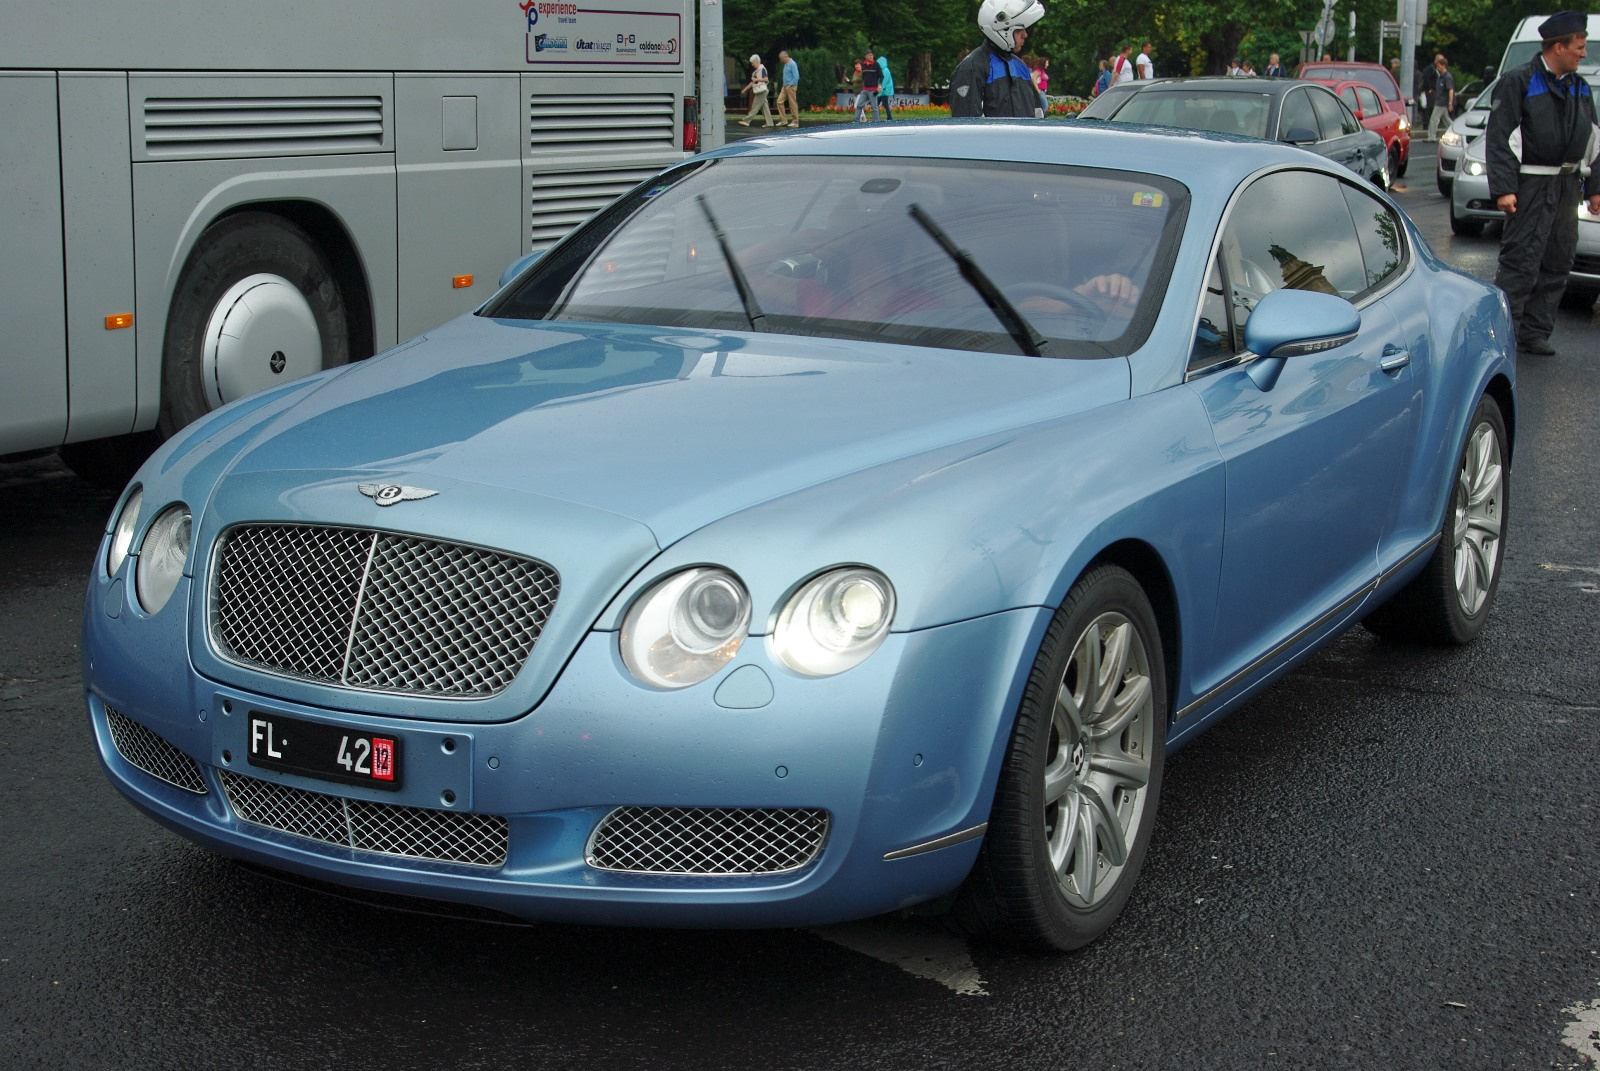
(1081, 779)
(256, 305)
(1448, 603)
(1462, 225)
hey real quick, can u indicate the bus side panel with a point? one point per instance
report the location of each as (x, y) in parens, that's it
(207, 146)
(591, 138)
(458, 153)
(97, 191)
(33, 341)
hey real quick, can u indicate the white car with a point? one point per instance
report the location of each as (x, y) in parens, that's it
(1465, 129)
(1471, 209)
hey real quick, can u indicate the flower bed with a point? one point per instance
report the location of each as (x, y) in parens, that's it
(1063, 107)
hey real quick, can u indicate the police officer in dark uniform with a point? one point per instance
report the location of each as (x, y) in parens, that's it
(992, 81)
(1541, 141)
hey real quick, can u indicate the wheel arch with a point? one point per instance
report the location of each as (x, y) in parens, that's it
(334, 239)
(1499, 388)
(1145, 564)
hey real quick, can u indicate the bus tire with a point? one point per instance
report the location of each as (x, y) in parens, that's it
(256, 305)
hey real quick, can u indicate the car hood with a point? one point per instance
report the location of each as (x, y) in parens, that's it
(670, 429)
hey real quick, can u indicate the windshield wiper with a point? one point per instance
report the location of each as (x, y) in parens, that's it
(1027, 338)
(747, 297)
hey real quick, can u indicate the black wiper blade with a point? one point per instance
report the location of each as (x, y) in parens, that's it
(747, 297)
(1029, 340)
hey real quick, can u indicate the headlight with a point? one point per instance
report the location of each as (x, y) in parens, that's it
(122, 534)
(1452, 139)
(1475, 167)
(834, 622)
(161, 558)
(1405, 124)
(686, 628)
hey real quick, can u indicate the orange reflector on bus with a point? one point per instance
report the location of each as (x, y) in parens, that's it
(120, 319)
(461, 281)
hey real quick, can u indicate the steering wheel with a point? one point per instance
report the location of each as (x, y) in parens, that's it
(1080, 304)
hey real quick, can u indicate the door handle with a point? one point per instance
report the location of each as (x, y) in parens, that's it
(1394, 358)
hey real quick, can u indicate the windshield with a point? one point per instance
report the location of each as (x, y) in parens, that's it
(830, 246)
(1226, 113)
(1517, 54)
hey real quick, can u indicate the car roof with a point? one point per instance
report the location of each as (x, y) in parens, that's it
(1221, 84)
(1180, 154)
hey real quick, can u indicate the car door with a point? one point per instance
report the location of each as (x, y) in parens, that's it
(1313, 456)
(1342, 134)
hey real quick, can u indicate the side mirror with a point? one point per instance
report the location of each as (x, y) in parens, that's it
(1301, 135)
(517, 265)
(1291, 323)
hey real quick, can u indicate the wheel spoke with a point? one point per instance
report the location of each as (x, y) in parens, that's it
(1114, 646)
(1128, 705)
(1068, 714)
(1064, 834)
(1107, 826)
(1086, 860)
(1122, 769)
(1057, 777)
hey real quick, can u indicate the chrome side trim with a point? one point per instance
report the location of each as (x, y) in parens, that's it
(1363, 593)
(939, 842)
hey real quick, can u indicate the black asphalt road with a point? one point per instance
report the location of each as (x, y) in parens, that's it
(1386, 861)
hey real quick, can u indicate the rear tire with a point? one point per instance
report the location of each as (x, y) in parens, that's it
(1448, 602)
(1081, 778)
(256, 305)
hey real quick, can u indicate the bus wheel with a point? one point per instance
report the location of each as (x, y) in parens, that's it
(256, 306)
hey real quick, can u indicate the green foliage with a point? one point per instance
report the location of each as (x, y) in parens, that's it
(818, 76)
(1190, 36)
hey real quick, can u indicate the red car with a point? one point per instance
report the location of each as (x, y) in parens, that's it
(1394, 129)
(1372, 93)
(1376, 75)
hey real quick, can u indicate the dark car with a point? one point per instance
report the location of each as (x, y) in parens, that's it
(1297, 112)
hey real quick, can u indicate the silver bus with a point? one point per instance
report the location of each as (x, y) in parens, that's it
(200, 200)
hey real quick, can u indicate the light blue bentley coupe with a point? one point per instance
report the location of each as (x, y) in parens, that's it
(835, 523)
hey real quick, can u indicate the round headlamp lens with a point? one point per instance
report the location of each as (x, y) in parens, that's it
(835, 621)
(161, 558)
(122, 534)
(686, 628)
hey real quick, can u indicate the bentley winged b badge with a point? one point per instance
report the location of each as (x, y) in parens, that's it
(387, 494)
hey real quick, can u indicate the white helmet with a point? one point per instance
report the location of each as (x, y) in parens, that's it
(997, 18)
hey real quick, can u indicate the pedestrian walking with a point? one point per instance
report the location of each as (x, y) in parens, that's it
(871, 80)
(1102, 80)
(757, 88)
(1144, 66)
(1275, 68)
(992, 80)
(1540, 145)
(885, 84)
(789, 89)
(1444, 97)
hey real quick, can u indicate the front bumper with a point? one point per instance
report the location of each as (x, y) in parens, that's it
(901, 753)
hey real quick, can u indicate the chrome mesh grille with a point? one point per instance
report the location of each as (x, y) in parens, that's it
(153, 755)
(375, 610)
(387, 828)
(707, 840)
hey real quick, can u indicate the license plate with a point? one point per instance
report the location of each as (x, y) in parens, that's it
(327, 752)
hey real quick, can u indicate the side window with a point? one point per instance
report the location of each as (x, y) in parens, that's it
(1378, 230)
(1294, 230)
(1370, 104)
(1335, 118)
(1297, 115)
(1348, 95)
